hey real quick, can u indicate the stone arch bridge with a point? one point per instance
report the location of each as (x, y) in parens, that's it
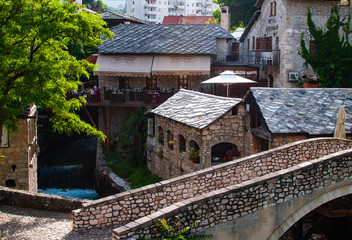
(256, 197)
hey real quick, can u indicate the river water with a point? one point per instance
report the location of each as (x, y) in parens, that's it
(68, 168)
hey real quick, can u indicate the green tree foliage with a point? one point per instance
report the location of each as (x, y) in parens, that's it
(241, 11)
(331, 54)
(36, 64)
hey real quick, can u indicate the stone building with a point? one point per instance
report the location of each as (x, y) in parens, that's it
(272, 37)
(192, 122)
(227, 128)
(19, 166)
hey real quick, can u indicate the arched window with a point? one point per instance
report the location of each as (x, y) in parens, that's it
(161, 135)
(194, 152)
(170, 139)
(182, 144)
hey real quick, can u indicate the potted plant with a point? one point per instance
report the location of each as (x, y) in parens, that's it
(171, 145)
(194, 155)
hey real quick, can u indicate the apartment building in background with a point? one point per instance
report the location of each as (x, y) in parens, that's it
(154, 11)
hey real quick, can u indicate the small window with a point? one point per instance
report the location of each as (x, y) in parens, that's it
(234, 111)
(182, 144)
(273, 9)
(248, 44)
(345, 2)
(253, 43)
(161, 136)
(170, 140)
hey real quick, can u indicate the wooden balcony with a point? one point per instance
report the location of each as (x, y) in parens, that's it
(126, 98)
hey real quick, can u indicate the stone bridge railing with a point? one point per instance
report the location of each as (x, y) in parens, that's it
(241, 199)
(129, 206)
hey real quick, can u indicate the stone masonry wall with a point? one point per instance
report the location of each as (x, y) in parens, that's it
(40, 201)
(238, 200)
(228, 128)
(129, 206)
(17, 154)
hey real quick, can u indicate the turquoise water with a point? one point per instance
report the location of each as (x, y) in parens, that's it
(74, 193)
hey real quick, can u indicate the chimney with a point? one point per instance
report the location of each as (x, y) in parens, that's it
(225, 18)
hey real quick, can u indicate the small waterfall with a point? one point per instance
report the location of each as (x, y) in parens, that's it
(68, 169)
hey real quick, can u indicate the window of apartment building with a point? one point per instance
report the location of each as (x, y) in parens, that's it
(151, 83)
(345, 2)
(273, 8)
(183, 81)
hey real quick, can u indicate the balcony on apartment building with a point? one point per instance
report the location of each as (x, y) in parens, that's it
(150, 5)
(150, 11)
(255, 58)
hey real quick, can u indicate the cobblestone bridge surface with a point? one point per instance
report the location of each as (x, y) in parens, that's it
(28, 224)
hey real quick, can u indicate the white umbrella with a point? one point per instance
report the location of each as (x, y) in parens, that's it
(227, 78)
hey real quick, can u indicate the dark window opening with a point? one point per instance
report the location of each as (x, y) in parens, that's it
(170, 140)
(183, 81)
(313, 48)
(234, 111)
(182, 144)
(10, 183)
(161, 136)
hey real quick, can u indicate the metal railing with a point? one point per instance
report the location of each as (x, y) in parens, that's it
(125, 97)
(256, 57)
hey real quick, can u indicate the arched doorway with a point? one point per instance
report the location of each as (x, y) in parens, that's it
(223, 152)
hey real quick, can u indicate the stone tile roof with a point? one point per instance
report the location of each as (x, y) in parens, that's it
(195, 109)
(299, 110)
(164, 39)
(117, 16)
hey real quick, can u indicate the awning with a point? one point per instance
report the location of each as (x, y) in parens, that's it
(181, 65)
(126, 65)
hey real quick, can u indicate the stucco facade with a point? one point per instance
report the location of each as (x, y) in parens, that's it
(283, 22)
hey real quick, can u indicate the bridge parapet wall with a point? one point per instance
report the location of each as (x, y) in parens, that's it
(248, 197)
(128, 206)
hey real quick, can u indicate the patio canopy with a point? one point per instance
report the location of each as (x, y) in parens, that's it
(227, 78)
(124, 65)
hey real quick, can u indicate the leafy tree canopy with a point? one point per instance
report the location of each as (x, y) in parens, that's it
(330, 55)
(36, 64)
(241, 11)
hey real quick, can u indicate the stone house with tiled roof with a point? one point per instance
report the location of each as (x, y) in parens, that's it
(193, 121)
(272, 37)
(221, 127)
(283, 115)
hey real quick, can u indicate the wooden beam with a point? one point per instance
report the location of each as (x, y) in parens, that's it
(89, 116)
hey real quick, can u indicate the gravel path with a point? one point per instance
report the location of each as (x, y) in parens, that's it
(29, 224)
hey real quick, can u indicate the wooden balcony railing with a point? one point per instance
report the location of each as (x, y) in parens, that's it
(125, 97)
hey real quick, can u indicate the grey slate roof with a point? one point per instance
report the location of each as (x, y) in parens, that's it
(164, 39)
(118, 16)
(299, 110)
(195, 109)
